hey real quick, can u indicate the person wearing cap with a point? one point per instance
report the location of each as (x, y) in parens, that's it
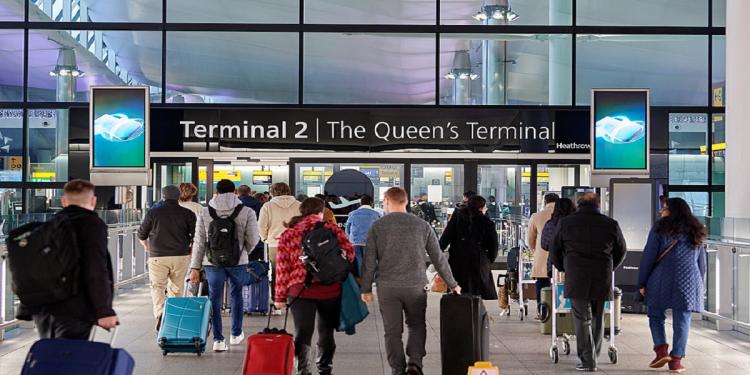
(166, 233)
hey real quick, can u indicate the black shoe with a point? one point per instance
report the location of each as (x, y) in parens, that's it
(413, 370)
(583, 368)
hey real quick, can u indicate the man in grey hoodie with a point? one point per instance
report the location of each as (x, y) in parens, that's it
(246, 230)
(396, 245)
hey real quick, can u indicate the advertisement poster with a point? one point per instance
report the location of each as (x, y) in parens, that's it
(119, 129)
(620, 130)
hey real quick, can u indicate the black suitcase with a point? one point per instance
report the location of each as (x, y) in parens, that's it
(464, 333)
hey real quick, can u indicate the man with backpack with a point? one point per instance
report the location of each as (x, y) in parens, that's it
(225, 233)
(167, 233)
(77, 238)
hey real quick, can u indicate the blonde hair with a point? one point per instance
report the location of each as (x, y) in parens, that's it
(280, 188)
(187, 191)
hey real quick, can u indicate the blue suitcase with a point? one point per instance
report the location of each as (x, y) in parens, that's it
(74, 357)
(256, 297)
(184, 324)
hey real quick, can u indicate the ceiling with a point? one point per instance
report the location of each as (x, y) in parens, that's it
(371, 68)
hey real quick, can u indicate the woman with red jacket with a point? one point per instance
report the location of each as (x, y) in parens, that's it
(325, 300)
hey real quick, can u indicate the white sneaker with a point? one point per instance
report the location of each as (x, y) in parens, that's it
(236, 340)
(220, 346)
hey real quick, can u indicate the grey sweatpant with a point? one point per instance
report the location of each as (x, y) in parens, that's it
(394, 304)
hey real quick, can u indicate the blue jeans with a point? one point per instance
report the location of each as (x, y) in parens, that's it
(680, 325)
(238, 277)
(359, 252)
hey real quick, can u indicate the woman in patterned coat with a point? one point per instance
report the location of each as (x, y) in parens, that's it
(307, 301)
(672, 271)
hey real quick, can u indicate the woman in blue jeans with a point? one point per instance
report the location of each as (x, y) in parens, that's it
(671, 277)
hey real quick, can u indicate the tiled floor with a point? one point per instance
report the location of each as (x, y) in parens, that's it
(516, 347)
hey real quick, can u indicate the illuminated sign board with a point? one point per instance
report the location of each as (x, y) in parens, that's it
(620, 131)
(119, 128)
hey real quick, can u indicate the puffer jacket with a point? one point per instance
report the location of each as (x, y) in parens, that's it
(359, 223)
(676, 282)
(273, 216)
(246, 229)
(289, 269)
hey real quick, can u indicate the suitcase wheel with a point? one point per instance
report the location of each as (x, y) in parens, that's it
(554, 355)
(566, 347)
(198, 353)
(164, 353)
(613, 355)
(162, 341)
(197, 343)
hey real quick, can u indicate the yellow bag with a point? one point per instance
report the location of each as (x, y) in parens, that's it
(483, 368)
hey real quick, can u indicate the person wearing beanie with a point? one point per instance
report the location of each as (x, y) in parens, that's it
(167, 234)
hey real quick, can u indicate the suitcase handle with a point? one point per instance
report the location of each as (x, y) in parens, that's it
(187, 284)
(113, 333)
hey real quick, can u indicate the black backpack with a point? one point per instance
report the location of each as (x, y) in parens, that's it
(325, 260)
(44, 261)
(223, 246)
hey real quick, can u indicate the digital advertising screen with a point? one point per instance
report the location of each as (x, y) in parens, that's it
(620, 130)
(119, 128)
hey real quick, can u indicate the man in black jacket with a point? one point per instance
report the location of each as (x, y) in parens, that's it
(74, 318)
(588, 246)
(167, 234)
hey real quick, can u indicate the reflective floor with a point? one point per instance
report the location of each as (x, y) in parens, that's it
(516, 347)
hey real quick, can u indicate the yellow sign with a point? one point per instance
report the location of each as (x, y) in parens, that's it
(715, 147)
(483, 368)
(718, 96)
(222, 174)
(15, 163)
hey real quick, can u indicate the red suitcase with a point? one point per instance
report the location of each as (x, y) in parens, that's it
(270, 352)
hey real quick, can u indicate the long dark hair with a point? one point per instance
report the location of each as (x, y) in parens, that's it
(309, 206)
(681, 221)
(563, 207)
(469, 214)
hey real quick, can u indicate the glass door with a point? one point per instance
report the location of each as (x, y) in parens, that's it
(169, 173)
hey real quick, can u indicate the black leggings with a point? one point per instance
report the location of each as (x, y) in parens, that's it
(304, 312)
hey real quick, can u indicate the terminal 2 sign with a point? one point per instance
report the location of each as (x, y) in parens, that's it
(476, 129)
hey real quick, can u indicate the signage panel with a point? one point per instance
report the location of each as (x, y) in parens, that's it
(620, 131)
(119, 128)
(478, 130)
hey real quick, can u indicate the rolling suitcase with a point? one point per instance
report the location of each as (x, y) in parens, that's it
(74, 357)
(256, 297)
(464, 333)
(270, 352)
(184, 324)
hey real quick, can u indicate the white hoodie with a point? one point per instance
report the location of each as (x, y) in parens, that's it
(246, 228)
(273, 215)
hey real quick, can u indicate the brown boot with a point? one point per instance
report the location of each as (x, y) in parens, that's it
(675, 366)
(662, 356)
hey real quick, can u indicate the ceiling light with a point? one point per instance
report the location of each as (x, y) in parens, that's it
(500, 12)
(66, 64)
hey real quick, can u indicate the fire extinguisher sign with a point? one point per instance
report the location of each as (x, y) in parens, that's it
(483, 368)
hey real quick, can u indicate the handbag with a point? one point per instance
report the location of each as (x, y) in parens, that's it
(669, 248)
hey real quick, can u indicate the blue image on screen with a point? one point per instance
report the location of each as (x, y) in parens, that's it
(119, 129)
(621, 132)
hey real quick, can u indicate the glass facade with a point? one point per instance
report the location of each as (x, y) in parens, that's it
(431, 53)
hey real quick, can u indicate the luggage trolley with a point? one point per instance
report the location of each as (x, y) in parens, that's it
(562, 304)
(525, 265)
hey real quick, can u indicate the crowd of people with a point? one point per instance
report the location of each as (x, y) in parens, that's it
(575, 238)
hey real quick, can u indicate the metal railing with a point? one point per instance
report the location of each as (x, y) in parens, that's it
(728, 273)
(127, 254)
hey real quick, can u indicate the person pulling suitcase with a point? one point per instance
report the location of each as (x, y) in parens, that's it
(402, 279)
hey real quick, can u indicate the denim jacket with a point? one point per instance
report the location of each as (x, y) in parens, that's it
(358, 224)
